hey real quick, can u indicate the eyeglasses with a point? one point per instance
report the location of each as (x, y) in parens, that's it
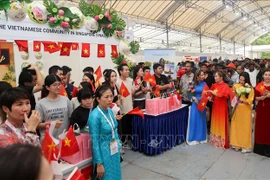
(56, 85)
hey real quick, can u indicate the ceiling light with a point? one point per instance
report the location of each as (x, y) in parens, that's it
(237, 13)
(227, 6)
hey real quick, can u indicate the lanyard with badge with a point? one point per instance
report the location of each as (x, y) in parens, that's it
(113, 143)
(16, 130)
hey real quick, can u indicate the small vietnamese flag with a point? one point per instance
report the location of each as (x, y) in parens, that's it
(123, 90)
(114, 51)
(137, 111)
(50, 46)
(50, 150)
(156, 92)
(137, 81)
(69, 145)
(22, 45)
(63, 91)
(65, 49)
(92, 85)
(101, 50)
(260, 88)
(204, 99)
(202, 104)
(98, 72)
(114, 108)
(60, 44)
(150, 78)
(36, 46)
(178, 95)
(85, 50)
(75, 46)
(76, 175)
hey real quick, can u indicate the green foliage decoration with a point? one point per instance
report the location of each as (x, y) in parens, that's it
(107, 19)
(62, 16)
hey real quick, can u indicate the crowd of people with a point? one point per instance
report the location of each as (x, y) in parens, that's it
(237, 92)
(23, 120)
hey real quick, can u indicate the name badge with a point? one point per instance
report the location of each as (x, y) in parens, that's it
(113, 147)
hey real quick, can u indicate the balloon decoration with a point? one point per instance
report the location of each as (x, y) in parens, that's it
(25, 64)
(38, 55)
(24, 55)
(39, 64)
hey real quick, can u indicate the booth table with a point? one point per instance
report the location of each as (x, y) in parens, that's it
(158, 133)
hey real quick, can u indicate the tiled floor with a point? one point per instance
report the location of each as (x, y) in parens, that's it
(200, 162)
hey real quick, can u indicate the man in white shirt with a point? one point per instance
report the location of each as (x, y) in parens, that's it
(126, 102)
(252, 71)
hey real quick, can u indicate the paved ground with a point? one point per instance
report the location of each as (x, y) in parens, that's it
(200, 162)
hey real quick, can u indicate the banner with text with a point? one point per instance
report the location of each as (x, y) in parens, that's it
(27, 30)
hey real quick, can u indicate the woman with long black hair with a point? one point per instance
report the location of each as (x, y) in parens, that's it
(241, 123)
(139, 95)
(54, 107)
(105, 141)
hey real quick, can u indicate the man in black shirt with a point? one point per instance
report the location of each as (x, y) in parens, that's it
(161, 80)
(32, 81)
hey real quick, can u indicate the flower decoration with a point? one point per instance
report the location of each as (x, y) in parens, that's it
(6, 5)
(243, 90)
(62, 17)
(37, 12)
(119, 34)
(107, 19)
(16, 11)
(191, 89)
(122, 59)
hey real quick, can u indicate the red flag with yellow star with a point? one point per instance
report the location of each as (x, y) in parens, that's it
(60, 44)
(204, 99)
(260, 88)
(114, 51)
(101, 50)
(22, 45)
(202, 104)
(85, 50)
(151, 79)
(69, 145)
(65, 49)
(98, 72)
(36, 47)
(50, 150)
(156, 92)
(50, 46)
(75, 46)
(123, 90)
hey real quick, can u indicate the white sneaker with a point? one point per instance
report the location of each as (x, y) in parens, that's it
(246, 151)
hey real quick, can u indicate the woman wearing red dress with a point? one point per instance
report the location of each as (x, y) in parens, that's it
(262, 123)
(219, 123)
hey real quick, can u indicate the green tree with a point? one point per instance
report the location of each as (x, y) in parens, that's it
(262, 40)
(265, 55)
